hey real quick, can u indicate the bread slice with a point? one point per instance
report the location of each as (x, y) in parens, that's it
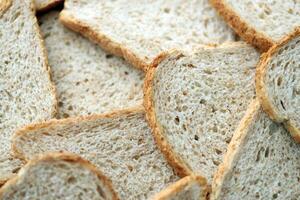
(26, 91)
(194, 102)
(278, 83)
(119, 143)
(58, 176)
(140, 30)
(261, 23)
(44, 5)
(188, 188)
(262, 161)
(88, 80)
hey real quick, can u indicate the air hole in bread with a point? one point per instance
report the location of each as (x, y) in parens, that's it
(177, 121)
(282, 105)
(196, 137)
(101, 192)
(279, 81)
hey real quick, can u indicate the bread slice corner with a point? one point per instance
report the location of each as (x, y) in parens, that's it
(190, 188)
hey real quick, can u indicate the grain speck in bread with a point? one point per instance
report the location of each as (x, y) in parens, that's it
(139, 30)
(26, 92)
(262, 161)
(261, 23)
(278, 83)
(188, 188)
(58, 176)
(88, 80)
(119, 143)
(194, 101)
(45, 5)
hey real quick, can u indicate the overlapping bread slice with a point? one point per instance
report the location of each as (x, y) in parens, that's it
(88, 80)
(278, 83)
(262, 161)
(194, 101)
(44, 5)
(261, 23)
(58, 176)
(188, 188)
(119, 143)
(139, 30)
(26, 92)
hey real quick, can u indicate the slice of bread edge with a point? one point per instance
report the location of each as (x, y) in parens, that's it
(261, 91)
(48, 6)
(4, 6)
(68, 121)
(68, 157)
(104, 41)
(176, 187)
(242, 28)
(232, 153)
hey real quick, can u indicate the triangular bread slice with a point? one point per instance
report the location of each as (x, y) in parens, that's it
(195, 100)
(45, 5)
(278, 83)
(58, 176)
(26, 92)
(261, 23)
(140, 30)
(188, 188)
(88, 80)
(262, 161)
(119, 143)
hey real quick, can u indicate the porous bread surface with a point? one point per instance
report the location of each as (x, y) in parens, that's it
(187, 188)
(87, 79)
(279, 75)
(272, 18)
(198, 99)
(58, 177)
(146, 28)
(42, 5)
(26, 92)
(120, 144)
(263, 163)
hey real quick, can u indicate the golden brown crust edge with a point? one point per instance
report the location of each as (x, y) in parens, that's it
(102, 40)
(173, 159)
(68, 157)
(231, 155)
(46, 65)
(176, 187)
(4, 5)
(47, 6)
(244, 30)
(261, 90)
(68, 121)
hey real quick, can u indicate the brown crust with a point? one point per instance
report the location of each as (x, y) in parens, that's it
(173, 159)
(4, 5)
(68, 157)
(68, 121)
(231, 155)
(176, 187)
(261, 88)
(242, 28)
(49, 5)
(46, 63)
(103, 40)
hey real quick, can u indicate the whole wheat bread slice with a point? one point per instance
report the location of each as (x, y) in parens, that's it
(188, 188)
(119, 143)
(194, 102)
(261, 23)
(58, 176)
(262, 161)
(139, 30)
(88, 80)
(26, 92)
(45, 5)
(278, 83)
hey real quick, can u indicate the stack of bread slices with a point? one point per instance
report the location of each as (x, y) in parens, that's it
(141, 99)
